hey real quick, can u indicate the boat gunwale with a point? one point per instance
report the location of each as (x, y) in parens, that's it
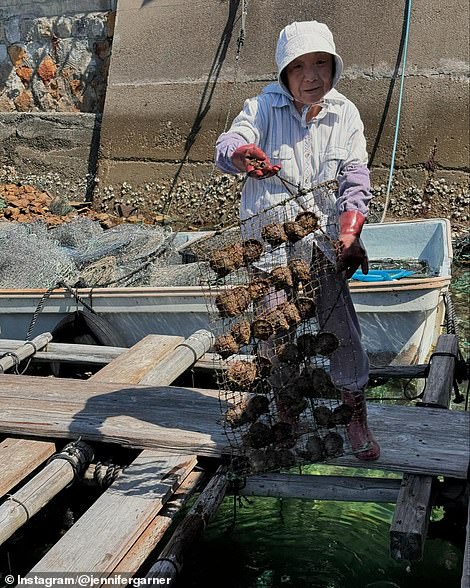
(182, 291)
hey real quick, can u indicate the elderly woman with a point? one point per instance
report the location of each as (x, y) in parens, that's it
(307, 132)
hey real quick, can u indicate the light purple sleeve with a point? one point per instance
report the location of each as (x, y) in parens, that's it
(224, 148)
(354, 189)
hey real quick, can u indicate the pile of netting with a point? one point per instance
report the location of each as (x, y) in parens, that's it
(275, 311)
(81, 253)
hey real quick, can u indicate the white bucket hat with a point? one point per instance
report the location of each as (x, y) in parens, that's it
(299, 38)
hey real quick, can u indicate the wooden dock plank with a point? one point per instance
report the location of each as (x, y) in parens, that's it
(157, 526)
(20, 457)
(148, 358)
(69, 352)
(411, 517)
(136, 362)
(466, 557)
(311, 487)
(417, 440)
(112, 535)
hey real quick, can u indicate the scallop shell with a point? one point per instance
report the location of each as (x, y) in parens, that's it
(314, 448)
(258, 435)
(306, 307)
(258, 288)
(323, 416)
(241, 332)
(326, 343)
(281, 277)
(227, 260)
(288, 353)
(308, 220)
(300, 271)
(233, 302)
(342, 414)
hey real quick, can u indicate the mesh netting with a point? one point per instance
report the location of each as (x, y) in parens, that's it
(282, 321)
(29, 259)
(81, 253)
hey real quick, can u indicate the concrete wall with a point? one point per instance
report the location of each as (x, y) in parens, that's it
(171, 85)
(53, 151)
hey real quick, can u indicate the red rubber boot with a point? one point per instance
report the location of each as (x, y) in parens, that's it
(362, 440)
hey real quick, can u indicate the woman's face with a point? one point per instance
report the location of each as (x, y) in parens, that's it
(310, 77)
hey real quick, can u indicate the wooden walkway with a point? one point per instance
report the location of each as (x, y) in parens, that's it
(186, 420)
(173, 426)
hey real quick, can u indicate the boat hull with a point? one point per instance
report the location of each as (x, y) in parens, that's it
(400, 320)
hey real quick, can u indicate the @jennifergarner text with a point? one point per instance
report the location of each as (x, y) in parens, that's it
(50, 580)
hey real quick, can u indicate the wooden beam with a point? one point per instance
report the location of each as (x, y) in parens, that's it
(441, 372)
(146, 355)
(425, 441)
(170, 560)
(312, 487)
(20, 457)
(212, 361)
(466, 556)
(150, 483)
(158, 526)
(102, 355)
(411, 517)
(69, 352)
(181, 358)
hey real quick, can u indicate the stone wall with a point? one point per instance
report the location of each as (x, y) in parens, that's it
(54, 55)
(54, 59)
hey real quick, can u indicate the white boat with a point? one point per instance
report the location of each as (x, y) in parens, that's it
(400, 319)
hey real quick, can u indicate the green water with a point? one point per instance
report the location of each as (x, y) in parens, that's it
(312, 544)
(288, 543)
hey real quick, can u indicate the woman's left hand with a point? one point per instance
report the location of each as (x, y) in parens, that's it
(352, 255)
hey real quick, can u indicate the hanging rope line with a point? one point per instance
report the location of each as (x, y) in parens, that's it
(397, 123)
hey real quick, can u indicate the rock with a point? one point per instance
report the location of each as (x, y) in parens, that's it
(12, 30)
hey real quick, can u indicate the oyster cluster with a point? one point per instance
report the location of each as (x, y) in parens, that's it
(233, 257)
(276, 234)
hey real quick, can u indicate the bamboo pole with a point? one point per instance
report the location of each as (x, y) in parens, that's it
(411, 517)
(170, 561)
(26, 350)
(35, 494)
(180, 359)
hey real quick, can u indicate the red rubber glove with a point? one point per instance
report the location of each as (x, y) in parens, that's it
(352, 251)
(254, 161)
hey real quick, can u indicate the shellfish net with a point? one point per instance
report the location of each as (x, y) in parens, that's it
(272, 311)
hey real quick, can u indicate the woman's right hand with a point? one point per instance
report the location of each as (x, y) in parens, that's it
(254, 161)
